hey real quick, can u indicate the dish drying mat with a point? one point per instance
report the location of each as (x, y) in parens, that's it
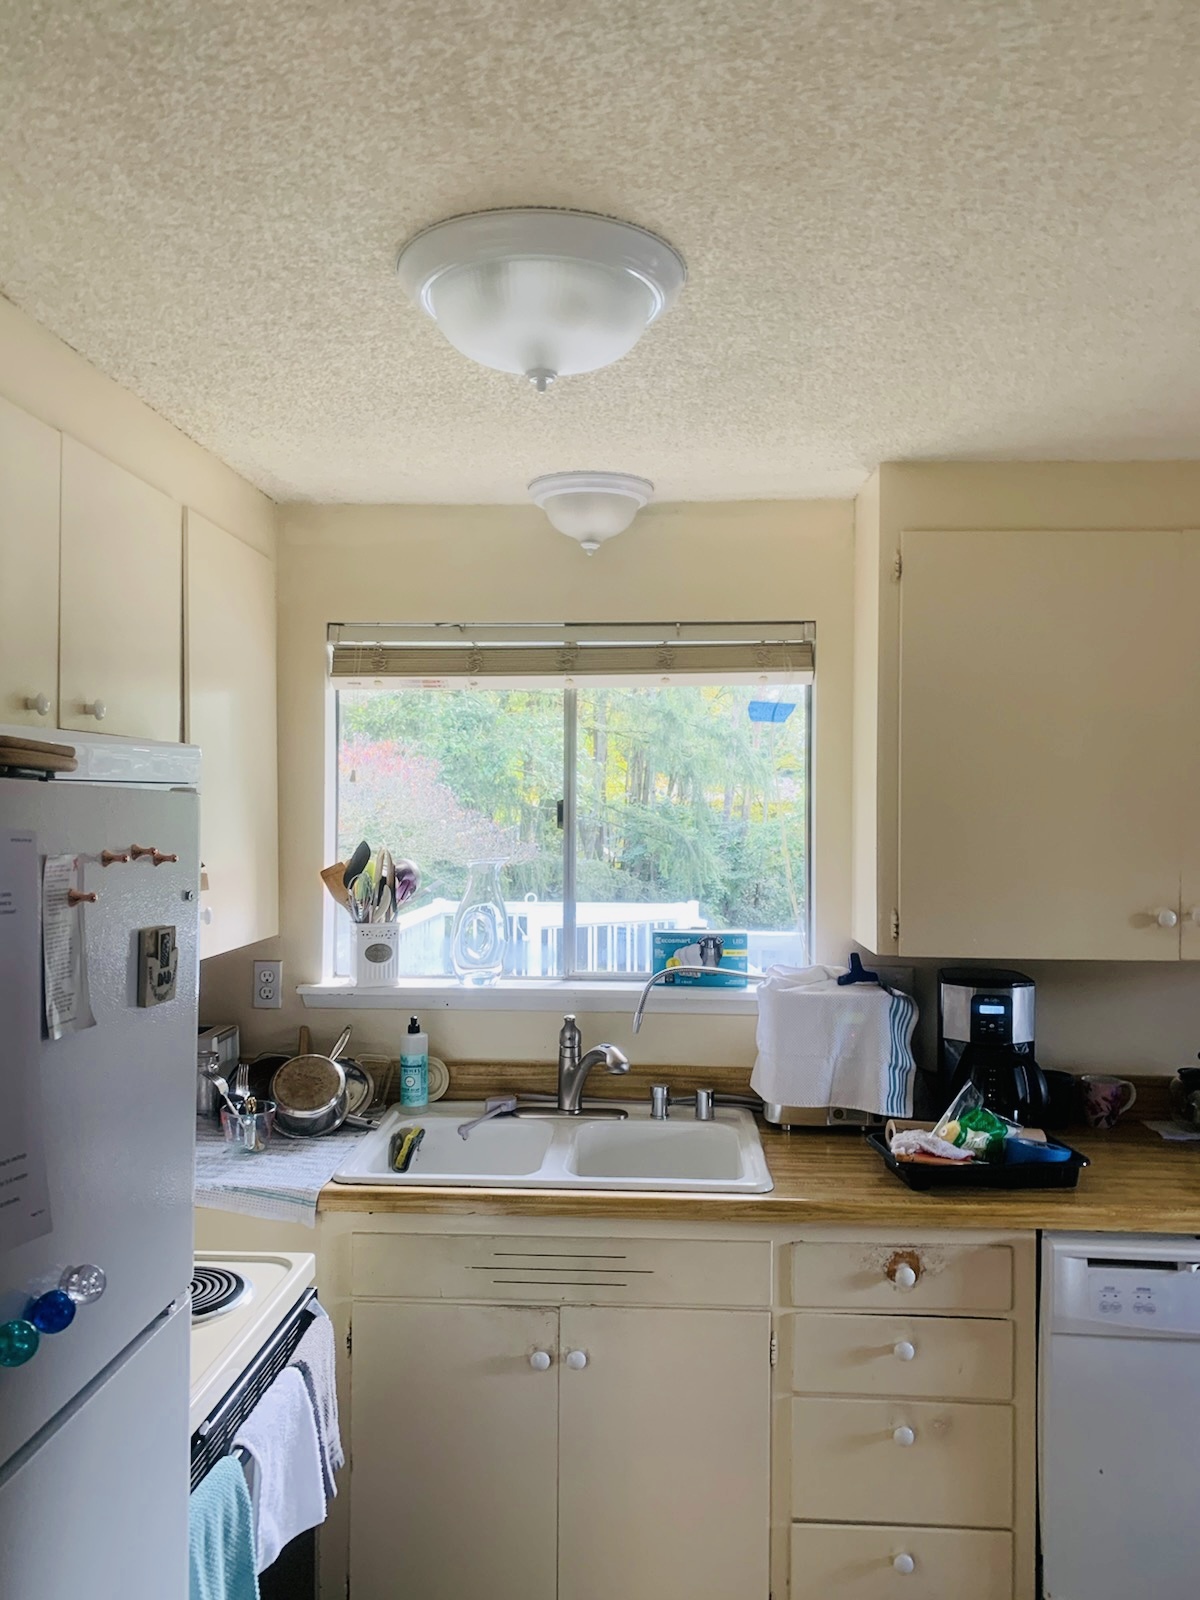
(281, 1184)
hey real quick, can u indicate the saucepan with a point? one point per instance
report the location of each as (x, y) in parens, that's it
(311, 1094)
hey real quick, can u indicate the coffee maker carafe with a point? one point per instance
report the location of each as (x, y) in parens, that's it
(985, 1037)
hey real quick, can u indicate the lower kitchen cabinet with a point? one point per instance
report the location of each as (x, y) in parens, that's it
(587, 1452)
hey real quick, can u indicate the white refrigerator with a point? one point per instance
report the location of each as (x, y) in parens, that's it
(97, 1129)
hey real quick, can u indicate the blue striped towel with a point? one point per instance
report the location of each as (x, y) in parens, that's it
(221, 1536)
(825, 1044)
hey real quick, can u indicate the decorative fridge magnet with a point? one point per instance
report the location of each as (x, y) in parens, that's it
(158, 964)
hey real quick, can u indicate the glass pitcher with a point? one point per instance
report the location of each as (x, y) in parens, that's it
(479, 938)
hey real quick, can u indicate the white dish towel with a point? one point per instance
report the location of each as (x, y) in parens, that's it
(825, 1044)
(315, 1361)
(280, 1436)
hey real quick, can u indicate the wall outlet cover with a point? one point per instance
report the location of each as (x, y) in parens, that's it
(268, 985)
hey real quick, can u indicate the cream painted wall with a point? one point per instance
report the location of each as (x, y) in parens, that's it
(741, 561)
(44, 376)
(1108, 1016)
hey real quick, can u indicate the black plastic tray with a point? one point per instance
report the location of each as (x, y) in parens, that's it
(983, 1174)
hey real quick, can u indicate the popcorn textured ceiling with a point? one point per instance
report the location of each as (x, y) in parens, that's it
(937, 229)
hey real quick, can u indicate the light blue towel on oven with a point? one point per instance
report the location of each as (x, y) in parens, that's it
(221, 1536)
(821, 1043)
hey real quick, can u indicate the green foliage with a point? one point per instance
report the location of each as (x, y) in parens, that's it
(680, 795)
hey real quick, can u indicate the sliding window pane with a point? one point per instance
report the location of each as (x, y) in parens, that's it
(692, 811)
(448, 777)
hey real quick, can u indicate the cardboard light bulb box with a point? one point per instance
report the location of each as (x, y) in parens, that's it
(721, 950)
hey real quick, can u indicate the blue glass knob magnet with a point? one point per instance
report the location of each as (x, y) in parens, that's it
(52, 1312)
(18, 1342)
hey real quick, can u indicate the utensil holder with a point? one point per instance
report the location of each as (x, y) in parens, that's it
(376, 955)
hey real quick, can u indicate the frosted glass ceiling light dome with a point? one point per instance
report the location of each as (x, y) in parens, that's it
(590, 506)
(543, 293)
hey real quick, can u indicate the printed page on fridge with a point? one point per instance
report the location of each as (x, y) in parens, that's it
(24, 1194)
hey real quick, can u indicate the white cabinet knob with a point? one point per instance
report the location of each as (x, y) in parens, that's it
(1164, 916)
(904, 1351)
(540, 1361)
(39, 703)
(206, 916)
(1193, 916)
(577, 1360)
(903, 1563)
(95, 708)
(904, 1277)
(904, 1436)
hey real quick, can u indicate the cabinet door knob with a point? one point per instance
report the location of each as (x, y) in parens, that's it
(904, 1350)
(540, 1361)
(95, 708)
(903, 1563)
(904, 1436)
(39, 703)
(1164, 916)
(206, 916)
(903, 1274)
(577, 1360)
(1193, 916)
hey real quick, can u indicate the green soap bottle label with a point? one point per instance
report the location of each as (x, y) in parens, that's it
(414, 1080)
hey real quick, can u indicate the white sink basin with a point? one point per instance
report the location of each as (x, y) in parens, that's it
(722, 1157)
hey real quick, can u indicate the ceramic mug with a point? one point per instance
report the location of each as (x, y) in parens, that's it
(1105, 1099)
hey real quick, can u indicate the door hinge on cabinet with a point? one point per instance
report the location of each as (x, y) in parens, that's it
(897, 566)
(349, 1337)
(774, 1348)
(896, 925)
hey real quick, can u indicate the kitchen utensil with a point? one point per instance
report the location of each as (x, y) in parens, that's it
(248, 1132)
(334, 879)
(359, 1089)
(1105, 1099)
(357, 861)
(362, 897)
(408, 880)
(241, 1080)
(310, 1092)
(222, 1088)
(343, 1039)
(303, 1040)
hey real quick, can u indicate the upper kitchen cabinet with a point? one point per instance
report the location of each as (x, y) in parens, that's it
(230, 714)
(29, 468)
(120, 643)
(1035, 733)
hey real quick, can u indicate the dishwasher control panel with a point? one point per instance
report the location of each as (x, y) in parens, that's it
(1125, 1287)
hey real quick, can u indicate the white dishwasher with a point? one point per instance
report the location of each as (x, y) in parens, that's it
(1120, 1417)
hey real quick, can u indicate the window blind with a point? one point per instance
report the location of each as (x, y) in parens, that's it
(447, 655)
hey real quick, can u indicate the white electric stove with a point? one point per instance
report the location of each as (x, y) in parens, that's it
(238, 1301)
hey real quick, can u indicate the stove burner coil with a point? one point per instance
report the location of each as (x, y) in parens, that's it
(216, 1289)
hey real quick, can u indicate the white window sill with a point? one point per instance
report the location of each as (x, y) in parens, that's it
(528, 994)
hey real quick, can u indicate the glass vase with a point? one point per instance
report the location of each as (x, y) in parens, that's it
(479, 937)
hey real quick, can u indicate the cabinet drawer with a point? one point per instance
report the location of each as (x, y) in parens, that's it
(945, 1358)
(849, 1464)
(551, 1271)
(878, 1277)
(861, 1563)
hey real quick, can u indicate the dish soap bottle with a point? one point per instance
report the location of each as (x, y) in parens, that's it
(414, 1066)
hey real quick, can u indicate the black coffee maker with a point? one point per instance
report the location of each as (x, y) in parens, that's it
(985, 1037)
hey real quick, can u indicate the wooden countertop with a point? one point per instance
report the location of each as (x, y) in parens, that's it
(1137, 1183)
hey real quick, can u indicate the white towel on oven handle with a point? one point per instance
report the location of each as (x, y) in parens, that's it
(280, 1437)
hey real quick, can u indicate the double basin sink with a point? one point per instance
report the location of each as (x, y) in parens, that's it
(675, 1155)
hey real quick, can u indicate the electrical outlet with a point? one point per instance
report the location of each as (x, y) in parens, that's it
(268, 985)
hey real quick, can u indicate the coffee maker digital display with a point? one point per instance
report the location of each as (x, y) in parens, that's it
(985, 1037)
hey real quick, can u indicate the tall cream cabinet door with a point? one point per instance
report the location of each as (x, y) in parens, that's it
(1043, 726)
(121, 619)
(1190, 901)
(229, 701)
(455, 1450)
(29, 469)
(664, 1455)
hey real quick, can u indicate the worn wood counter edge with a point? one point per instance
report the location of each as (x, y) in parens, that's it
(1137, 1183)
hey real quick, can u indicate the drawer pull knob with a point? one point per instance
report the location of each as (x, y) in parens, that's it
(577, 1360)
(540, 1361)
(39, 703)
(903, 1563)
(904, 1436)
(903, 1275)
(904, 1350)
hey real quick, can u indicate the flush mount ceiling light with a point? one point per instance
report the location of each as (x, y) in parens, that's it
(542, 293)
(590, 506)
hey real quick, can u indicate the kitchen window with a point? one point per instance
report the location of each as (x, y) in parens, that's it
(596, 784)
